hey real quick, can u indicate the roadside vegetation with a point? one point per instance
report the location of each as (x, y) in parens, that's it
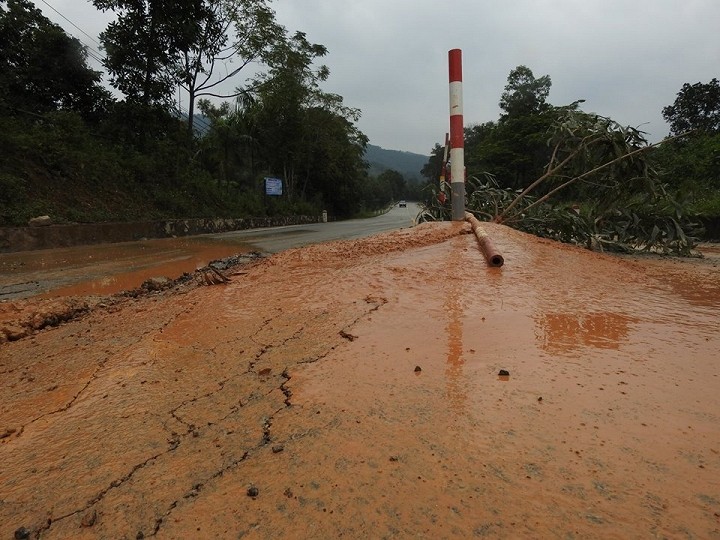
(75, 151)
(582, 178)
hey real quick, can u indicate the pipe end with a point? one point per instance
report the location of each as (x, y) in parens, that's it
(496, 261)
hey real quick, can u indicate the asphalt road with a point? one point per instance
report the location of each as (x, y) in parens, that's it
(275, 239)
(109, 268)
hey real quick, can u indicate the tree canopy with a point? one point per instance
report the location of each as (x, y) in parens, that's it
(696, 107)
(691, 164)
(42, 69)
(524, 94)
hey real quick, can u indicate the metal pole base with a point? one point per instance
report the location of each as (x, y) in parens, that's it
(458, 201)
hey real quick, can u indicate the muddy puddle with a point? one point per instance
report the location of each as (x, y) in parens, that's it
(108, 268)
(392, 387)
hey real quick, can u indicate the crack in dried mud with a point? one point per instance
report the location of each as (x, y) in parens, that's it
(196, 490)
(174, 443)
(266, 423)
(176, 439)
(65, 407)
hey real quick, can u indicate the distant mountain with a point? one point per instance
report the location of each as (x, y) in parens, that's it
(406, 163)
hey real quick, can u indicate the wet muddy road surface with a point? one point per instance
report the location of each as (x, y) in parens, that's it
(107, 268)
(352, 389)
(110, 268)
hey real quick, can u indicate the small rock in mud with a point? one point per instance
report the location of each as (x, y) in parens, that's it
(253, 491)
(22, 533)
(4, 433)
(89, 519)
(12, 333)
(278, 448)
(504, 373)
(418, 369)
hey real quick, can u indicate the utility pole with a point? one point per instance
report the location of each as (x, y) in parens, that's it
(457, 137)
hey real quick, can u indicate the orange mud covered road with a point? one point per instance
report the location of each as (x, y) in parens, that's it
(288, 404)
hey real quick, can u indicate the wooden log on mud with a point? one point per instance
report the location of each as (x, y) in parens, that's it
(492, 255)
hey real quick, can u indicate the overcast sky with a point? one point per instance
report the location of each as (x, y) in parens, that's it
(627, 58)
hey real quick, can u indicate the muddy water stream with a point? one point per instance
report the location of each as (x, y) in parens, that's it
(353, 389)
(107, 268)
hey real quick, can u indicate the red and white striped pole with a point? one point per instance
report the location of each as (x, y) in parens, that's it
(457, 137)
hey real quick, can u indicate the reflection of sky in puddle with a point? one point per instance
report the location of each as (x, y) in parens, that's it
(456, 388)
(563, 332)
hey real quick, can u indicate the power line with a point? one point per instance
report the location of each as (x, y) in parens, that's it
(99, 57)
(91, 52)
(72, 23)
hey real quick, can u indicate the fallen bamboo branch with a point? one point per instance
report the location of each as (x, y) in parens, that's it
(213, 276)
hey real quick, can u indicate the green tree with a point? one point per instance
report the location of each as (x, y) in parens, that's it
(692, 163)
(432, 170)
(284, 95)
(232, 34)
(691, 166)
(396, 181)
(696, 107)
(514, 148)
(376, 194)
(155, 45)
(42, 69)
(142, 44)
(229, 147)
(334, 171)
(524, 94)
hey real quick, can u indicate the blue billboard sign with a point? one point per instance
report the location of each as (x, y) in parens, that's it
(273, 186)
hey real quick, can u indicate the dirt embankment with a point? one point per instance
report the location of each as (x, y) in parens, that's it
(352, 389)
